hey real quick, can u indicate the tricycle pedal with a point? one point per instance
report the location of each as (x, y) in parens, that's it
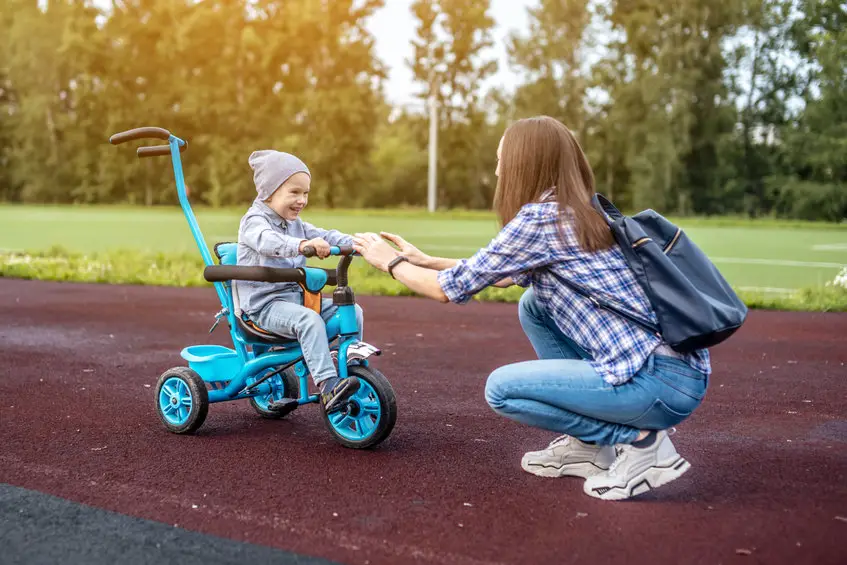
(284, 406)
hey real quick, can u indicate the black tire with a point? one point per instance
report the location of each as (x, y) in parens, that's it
(388, 409)
(195, 389)
(292, 390)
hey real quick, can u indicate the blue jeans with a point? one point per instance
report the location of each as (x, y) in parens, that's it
(562, 392)
(289, 319)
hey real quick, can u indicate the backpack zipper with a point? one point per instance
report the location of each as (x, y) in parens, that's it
(673, 241)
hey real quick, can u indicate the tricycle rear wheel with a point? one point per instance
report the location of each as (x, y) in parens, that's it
(283, 385)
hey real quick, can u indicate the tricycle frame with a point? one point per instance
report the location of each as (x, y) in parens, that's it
(255, 358)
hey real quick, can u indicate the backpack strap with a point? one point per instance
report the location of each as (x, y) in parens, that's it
(604, 206)
(601, 303)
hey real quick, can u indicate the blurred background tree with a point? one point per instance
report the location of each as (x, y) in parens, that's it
(690, 107)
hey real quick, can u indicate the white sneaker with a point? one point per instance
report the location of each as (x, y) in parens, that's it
(567, 456)
(637, 470)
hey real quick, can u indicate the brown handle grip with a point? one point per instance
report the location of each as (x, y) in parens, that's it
(140, 133)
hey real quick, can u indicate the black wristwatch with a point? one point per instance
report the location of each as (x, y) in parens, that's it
(394, 262)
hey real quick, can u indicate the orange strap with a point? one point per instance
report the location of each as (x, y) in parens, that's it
(257, 328)
(311, 300)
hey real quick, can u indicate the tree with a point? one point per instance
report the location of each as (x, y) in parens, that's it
(51, 118)
(668, 70)
(760, 84)
(8, 191)
(550, 57)
(450, 64)
(816, 142)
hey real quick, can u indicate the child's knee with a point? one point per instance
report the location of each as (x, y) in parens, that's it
(308, 320)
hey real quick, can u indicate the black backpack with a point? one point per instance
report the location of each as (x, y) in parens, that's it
(694, 304)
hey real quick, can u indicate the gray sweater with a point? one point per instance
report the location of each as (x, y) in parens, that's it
(265, 239)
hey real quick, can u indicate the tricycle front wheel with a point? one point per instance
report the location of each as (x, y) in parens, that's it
(182, 401)
(370, 414)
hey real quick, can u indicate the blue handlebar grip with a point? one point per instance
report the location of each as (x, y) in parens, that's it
(309, 251)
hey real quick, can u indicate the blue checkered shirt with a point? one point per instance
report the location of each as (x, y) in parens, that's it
(532, 245)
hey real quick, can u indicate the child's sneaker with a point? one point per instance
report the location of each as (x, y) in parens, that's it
(335, 398)
(567, 456)
(638, 469)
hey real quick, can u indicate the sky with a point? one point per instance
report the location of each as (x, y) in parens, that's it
(393, 27)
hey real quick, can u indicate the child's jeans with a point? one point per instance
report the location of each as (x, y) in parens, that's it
(563, 393)
(290, 319)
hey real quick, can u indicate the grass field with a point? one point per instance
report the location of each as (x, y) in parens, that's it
(770, 256)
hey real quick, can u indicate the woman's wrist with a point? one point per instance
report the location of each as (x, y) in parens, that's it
(394, 263)
(424, 261)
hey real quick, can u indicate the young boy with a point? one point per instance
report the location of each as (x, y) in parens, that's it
(272, 234)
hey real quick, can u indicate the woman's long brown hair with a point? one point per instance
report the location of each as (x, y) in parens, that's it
(539, 154)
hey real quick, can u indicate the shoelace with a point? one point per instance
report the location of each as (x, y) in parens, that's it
(621, 452)
(620, 456)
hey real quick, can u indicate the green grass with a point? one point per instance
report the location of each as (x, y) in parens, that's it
(765, 259)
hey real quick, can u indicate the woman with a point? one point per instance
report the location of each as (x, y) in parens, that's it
(612, 388)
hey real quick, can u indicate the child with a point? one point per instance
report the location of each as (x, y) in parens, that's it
(272, 234)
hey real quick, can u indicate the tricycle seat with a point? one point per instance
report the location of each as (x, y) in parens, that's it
(255, 334)
(226, 252)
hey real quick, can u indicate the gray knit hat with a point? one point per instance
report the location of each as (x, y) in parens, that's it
(272, 168)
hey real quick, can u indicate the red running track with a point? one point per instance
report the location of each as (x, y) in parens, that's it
(77, 420)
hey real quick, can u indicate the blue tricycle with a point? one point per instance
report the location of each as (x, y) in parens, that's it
(266, 369)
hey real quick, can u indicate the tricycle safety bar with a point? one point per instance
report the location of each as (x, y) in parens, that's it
(222, 273)
(147, 133)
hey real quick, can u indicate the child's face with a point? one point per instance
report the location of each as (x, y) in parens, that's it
(290, 198)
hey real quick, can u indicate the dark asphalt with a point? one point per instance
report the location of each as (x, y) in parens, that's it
(37, 528)
(768, 482)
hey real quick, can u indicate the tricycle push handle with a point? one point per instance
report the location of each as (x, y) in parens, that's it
(343, 250)
(140, 133)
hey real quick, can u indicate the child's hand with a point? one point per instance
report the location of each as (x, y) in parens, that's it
(407, 250)
(321, 247)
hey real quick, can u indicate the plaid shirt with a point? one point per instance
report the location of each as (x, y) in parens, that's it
(531, 245)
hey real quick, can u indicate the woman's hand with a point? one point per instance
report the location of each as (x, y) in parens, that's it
(407, 250)
(374, 250)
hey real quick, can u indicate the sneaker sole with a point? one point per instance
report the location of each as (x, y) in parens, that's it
(582, 469)
(649, 479)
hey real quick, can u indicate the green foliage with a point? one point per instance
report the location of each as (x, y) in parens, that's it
(128, 266)
(808, 200)
(811, 299)
(690, 107)
(449, 64)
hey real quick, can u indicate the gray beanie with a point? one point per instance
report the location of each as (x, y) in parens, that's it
(272, 168)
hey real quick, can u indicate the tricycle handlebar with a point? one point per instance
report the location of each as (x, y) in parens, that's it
(343, 250)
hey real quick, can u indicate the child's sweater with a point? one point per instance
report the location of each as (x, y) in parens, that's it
(267, 240)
